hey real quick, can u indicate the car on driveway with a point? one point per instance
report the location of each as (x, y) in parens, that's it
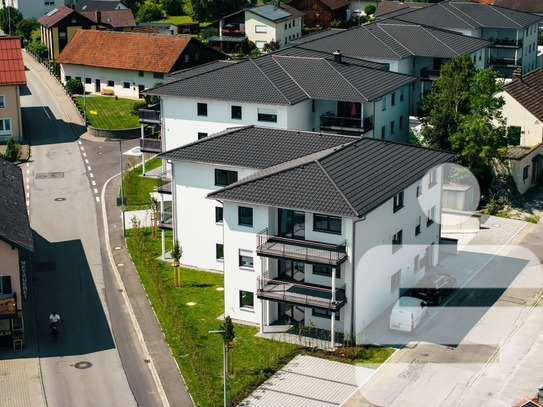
(407, 314)
(433, 287)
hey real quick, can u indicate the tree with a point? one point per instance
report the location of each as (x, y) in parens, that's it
(271, 46)
(211, 10)
(150, 12)
(173, 7)
(177, 252)
(9, 17)
(13, 151)
(25, 27)
(370, 9)
(228, 327)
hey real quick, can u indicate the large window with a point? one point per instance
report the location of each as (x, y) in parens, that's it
(246, 299)
(225, 177)
(219, 251)
(267, 115)
(325, 271)
(323, 313)
(236, 112)
(5, 127)
(245, 216)
(245, 259)
(202, 109)
(327, 223)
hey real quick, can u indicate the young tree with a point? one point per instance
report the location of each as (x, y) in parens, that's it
(9, 17)
(211, 10)
(177, 252)
(229, 335)
(370, 9)
(150, 11)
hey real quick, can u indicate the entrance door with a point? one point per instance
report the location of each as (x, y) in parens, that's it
(97, 86)
(141, 88)
(291, 224)
(291, 270)
(290, 313)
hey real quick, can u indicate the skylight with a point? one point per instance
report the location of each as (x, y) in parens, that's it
(52, 12)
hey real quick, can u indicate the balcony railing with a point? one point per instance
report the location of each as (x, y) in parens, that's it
(506, 43)
(508, 62)
(164, 185)
(301, 250)
(150, 114)
(151, 145)
(300, 294)
(165, 220)
(431, 74)
(349, 124)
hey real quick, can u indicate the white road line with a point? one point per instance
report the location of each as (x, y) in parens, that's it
(97, 199)
(91, 175)
(89, 168)
(45, 110)
(95, 190)
(84, 154)
(82, 148)
(86, 160)
(79, 141)
(93, 182)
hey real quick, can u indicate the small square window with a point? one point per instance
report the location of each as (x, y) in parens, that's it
(219, 214)
(110, 83)
(141, 74)
(88, 80)
(236, 112)
(326, 223)
(219, 251)
(202, 109)
(245, 216)
(62, 35)
(158, 75)
(126, 85)
(201, 135)
(246, 299)
(68, 77)
(225, 177)
(245, 260)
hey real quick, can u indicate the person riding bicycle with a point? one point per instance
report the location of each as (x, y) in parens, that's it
(54, 318)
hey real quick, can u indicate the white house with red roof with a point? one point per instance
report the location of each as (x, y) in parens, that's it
(12, 76)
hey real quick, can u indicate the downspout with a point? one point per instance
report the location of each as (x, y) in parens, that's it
(353, 257)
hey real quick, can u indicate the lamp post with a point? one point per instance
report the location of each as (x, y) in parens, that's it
(223, 333)
(84, 97)
(122, 181)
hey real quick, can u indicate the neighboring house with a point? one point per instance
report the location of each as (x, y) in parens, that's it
(407, 48)
(59, 26)
(116, 20)
(161, 28)
(526, 6)
(99, 5)
(129, 62)
(320, 13)
(260, 24)
(16, 247)
(12, 77)
(33, 9)
(389, 6)
(339, 223)
(513, 33)
(524, 112)
(288, 90)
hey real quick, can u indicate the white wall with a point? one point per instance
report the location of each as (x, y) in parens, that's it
(517, 170)
(518, 116)
(260, 38)
(392, 113)
(36, 9)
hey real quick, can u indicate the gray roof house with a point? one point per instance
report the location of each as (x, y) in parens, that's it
(513, 33)
(408, 48)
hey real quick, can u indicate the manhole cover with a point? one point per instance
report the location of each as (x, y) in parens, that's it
(83, 365)
(60, 199)
(49, 175)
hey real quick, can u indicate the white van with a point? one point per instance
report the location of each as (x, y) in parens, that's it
(407, 314)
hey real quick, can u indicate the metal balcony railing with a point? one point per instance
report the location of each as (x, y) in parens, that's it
(301, 294)
(350, 124)
(150, 114)
(165, 220)
(151, 145)
(164, 182)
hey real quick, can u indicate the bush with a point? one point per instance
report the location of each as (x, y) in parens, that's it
(370, 9)
(137, 106)
(209, 32)
(13, 151)
(74, 86)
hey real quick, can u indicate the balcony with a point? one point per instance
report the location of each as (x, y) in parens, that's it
(233, 30)
(164, 183)
(504, 62)
(346, 124)
(150, 114)
(165, 220)
(150, 145)
(301, 250)
(505, 43)
(429, 74)
(300, 294)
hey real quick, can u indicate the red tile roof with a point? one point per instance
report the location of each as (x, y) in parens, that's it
(53, 17)
(12, 69)
(112, 18)
(124, 50)
(527, 89)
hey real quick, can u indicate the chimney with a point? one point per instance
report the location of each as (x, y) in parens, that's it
(72, 6)
(517, 73)
(337, 56)
(98, 17)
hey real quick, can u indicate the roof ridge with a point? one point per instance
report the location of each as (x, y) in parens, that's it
(336, 187)
(289, 75)
(437, 39)
(346, 80)
(393, 38)
(460, 11)
(269, 80)
(494, 8)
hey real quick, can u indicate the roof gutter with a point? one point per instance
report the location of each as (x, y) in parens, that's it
(353, 307)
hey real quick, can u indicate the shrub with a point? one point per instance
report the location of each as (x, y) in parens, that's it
(13, 151)
(74, 86)
(137, 106)
(370, 9)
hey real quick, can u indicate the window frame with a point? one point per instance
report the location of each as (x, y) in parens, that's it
(2, 101)
(320, 217)
(397, 202)
(261, 28)
(246, 219)
(430, 215)
(219, 251)
(220, 173)
(219, 214)
(325, 273)
(397, 240)
(418, 226)
(126, 85)
(235, 114)
(245, 261)
(201, 109)
(6, 130)
(110, 83)
(202, 135)
(525, 172)
(242, 305)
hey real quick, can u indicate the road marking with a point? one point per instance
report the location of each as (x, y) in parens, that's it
(82, 148)
(45, 110)
(86, 160)
(79, 141)
(95, 190)
(84, 154)
(97, 199)
(93, 182)
(91, 175)
(89, 168)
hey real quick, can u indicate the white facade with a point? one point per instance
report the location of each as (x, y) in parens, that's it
(30, 8)
(124, 83)
(261, 31)
(518, 116)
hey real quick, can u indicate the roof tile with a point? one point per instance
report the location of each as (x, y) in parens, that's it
(12, 69)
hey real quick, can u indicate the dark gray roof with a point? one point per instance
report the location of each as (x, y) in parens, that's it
(350, 181)
(199, 69)
(297, 51)
(287, 80)
(468, 15)
(393, 39)
(255, 147)
(14, 223)
(276, 14)
(95, 5)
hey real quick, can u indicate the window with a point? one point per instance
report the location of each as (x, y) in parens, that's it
(62, 35)
(325, 271)
(110, 83)
(417, 228)
(126, 85)
(400, 124)
(5, 127)
(88, 80)
(67, 78)
(392, 127)
(246, 299)
(261, 29)
(245, 260)
(398, 202)
(324, 313)
(202, 109)
(201, 135)
(432, 179)
(285, 26)
(431, 215)
(218, 214)
(141, 74)
(158, 75)
(219, 251)
(187, 59)
(267, 115)
(78, 78)
(395, 280)
(327, 223)
(419, 190)
(245, 216)
(401, 95)
(5, 285)
(525, 173)
(393, 101)
(383, 131)
(225, 177)
(397, 240)
(2, 101)
(236, 112)
(384, 103)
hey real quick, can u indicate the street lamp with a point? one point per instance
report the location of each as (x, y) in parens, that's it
(223, 333)
(122, 181)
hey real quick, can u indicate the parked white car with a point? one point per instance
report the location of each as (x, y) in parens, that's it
(407, 314)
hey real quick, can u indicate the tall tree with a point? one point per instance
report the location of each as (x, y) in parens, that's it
(150, 11)
(25, 27)
(9, 17)
(211, 10)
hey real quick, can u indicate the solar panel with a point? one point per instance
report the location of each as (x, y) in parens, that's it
(271, 12)
(52, 12)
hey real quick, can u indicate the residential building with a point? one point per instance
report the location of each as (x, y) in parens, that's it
(513, 33)
(291, 89)
(12, 77)
(388, 6)
(58, 27)
(161, 28)
(116, 61)
(325, 240)
(115, 20)
(33, 9)
(524, 115)
(16, 247)
(407, 48)
(260, 24)
(99, 5)
(320, 13)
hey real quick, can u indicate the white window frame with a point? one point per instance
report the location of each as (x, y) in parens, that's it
(261, 29)
(2, 101)
(3, 131)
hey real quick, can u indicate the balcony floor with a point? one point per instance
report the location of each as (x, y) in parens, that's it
(303, 252)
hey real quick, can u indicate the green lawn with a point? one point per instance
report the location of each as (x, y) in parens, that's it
(136, 187)
(106, 112)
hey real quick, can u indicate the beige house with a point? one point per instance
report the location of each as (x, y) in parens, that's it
(12, 76)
